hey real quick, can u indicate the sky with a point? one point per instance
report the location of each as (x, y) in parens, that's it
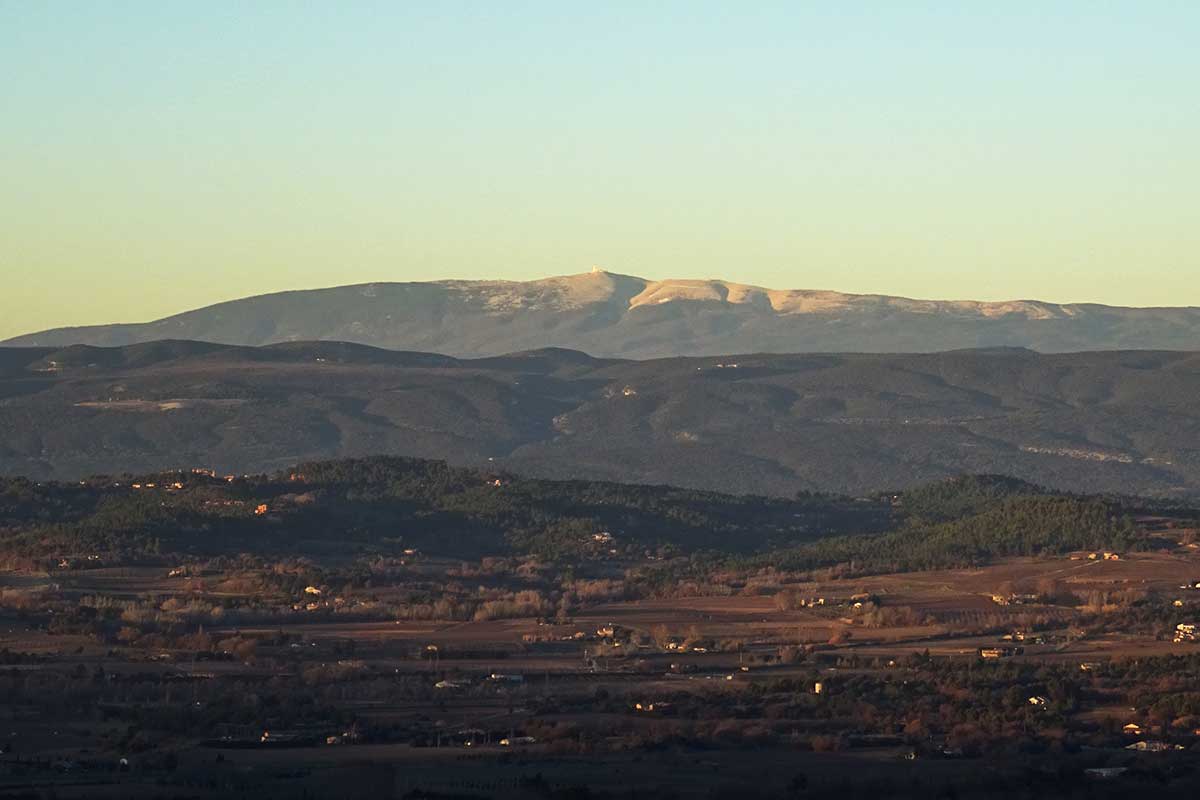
(160, 156)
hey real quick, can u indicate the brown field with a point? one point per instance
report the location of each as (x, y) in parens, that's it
(949, 613)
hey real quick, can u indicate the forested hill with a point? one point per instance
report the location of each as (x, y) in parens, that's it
(391, 507)
(388, 505)
(768, 424)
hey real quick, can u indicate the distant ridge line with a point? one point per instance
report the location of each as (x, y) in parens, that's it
(612, 315)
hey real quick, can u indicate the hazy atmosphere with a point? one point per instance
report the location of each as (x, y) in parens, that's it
(170, 155)
(610, 401)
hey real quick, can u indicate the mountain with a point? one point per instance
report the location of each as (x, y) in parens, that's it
(621, 316)
(767, 424)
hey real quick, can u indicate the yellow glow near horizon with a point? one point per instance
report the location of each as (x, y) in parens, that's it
(158, 159)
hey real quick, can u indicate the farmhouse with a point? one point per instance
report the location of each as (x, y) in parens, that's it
(513, 741)
(1153, 746)
(1000, 652)
(650, 708)
(500, 677)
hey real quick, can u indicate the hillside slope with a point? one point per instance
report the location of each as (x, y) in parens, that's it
(621, 316)
(1114, 421)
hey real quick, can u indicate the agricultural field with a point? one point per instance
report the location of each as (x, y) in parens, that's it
(400, 629)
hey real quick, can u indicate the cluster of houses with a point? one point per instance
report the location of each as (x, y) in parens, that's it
(530, 638)
(616, 637)
(602, 540)
(1030, 638)
(677, 644)
(475, 737)
(314, 600)
(1185, 632)
(1015, 599)
(176, 485)
(289, 738)
(260, 509)
(1150, 745)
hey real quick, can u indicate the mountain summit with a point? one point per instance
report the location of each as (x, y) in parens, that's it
(607, 314)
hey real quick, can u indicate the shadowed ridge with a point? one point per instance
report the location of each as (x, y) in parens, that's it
(765, 424)
(142, 354)
(544, 359)
(15, 360)
(347, 353)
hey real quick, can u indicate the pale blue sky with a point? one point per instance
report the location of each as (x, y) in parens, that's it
(158, 156)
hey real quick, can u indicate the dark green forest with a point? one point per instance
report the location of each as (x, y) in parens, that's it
(385, 506)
